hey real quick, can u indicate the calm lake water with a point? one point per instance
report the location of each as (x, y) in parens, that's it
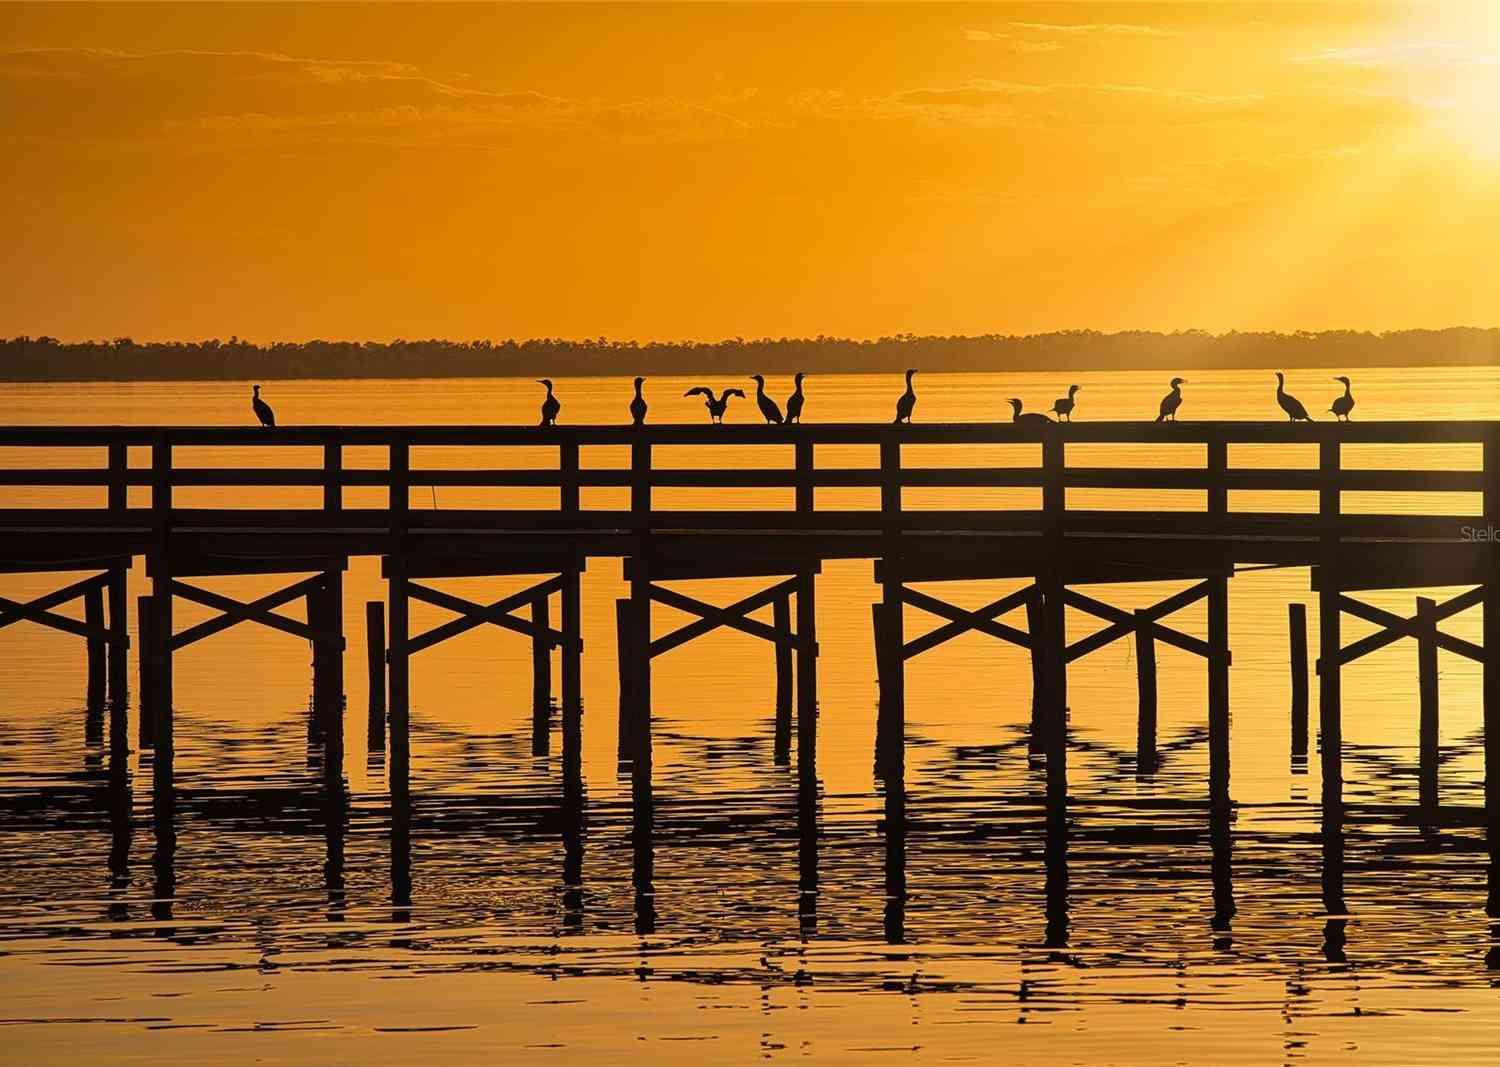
(269, 929)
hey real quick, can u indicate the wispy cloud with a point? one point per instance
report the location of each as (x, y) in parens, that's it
(1094, 29)
(1406, 54)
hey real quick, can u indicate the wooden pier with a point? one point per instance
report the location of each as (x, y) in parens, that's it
(1044, 536)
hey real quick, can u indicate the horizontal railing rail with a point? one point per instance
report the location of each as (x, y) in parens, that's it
(1044, 467)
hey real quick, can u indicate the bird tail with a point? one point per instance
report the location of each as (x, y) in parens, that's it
(1161, 418)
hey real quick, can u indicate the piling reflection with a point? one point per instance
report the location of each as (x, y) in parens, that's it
(807, 852)
(572, 820)
(894, 827)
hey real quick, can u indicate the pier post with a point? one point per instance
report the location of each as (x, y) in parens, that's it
(325, 614)
(541, 655)
(1218, 691)
(572, 628)
(890, 741)
(782, 742)
(807, 675)
(541, 677)
(145, 660)
(1297, 635)
(626, 660)
(1145, 678)
(160, 622)
(890, 730)
(639, 647)
(399, 666)
(119, 637)
(1330, 638)
(1427, 683)
(375, 657)
(1055, 689)
(1034, 627)
(1491, 642)
(93, 618)
(398, 656)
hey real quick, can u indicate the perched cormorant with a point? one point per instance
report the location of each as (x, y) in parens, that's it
(1290, 404)
(716, 407)
(1342, 405)
(794, 402)
(767, 406)
(638, 405)
(907, 402)
(262, 410)
(1171, 402)
(1063, 407)
(551, 405)
(1028, 418)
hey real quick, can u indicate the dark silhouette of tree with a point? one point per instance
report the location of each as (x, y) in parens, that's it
(121, 358)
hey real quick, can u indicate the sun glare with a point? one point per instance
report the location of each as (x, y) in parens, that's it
(1463, 72)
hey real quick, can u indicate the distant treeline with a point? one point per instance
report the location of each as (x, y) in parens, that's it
(48, 359)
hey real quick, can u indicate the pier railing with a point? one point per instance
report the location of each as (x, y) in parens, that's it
(126, 458)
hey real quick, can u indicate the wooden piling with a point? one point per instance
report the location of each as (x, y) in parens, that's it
(782, 741)
(399, 668)
(1427, 684)
(541, 655)
(1218, 691)
(639, 648)
(146, 715)
(93, 618)
(160, 623)
(1491, 644)
(626, 660)
(890, 740)
(1055, 686)
(119, 637)
(1034, 627)
(1330, 638)
(1297, 635)
(807, 675)
(1145, 683)
(375, 657)
(572, 629)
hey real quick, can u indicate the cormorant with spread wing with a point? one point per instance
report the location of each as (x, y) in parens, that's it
(716, 405)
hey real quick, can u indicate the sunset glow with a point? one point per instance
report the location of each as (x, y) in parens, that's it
(721, 170)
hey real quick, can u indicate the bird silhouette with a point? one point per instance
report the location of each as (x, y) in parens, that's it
(794, 402)
(716, 406)
(1290, 404)
(1028, 418)
(1171, 402)
(638, 405)
(551, 405)
(1063, 407)
(768, 408)
(262, 410)
(1342, 405)
(907, 402)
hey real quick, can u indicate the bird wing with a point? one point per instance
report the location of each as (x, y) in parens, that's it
(734, 392)
(699, 391)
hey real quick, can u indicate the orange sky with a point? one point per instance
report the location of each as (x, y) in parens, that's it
(710, 171)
